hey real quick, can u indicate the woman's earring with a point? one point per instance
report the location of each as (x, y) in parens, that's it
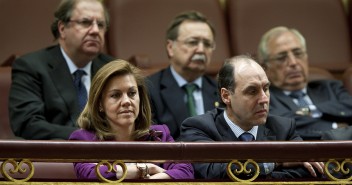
(101, 109)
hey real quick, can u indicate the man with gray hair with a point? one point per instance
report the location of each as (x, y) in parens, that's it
(317, 106)
(182, 90)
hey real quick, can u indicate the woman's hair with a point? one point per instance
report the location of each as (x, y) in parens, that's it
(93, 120)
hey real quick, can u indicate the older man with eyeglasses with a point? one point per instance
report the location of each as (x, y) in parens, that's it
(322, 109)
(182, 90)
(50, 86)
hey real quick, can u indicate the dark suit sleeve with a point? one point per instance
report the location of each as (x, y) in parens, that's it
(330, 98)
(26, 104)
(197, 129)
(308, 127)
(338, 107)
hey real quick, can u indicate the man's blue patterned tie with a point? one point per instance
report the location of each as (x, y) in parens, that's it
(80, 88)
(299, 96)
(246, 136)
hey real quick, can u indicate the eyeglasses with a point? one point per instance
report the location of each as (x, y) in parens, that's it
(193, 43)
(283, 58)
(88, 23)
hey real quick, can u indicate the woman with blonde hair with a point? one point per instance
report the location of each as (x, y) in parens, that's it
(118, 109)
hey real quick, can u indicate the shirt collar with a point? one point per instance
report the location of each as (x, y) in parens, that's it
(237, 130)
(72, 66)
(181, 81)
(304, 90)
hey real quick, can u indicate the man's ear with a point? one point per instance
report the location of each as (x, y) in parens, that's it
(61, 27)
(225, 96)
(169, 48)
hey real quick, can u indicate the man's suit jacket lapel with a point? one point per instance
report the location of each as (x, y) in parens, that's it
(224, 129)
(282, 98)
(208, 92)
(264, 134)
(97, 63)
(60, 74)
(316, 94)
(173, 96)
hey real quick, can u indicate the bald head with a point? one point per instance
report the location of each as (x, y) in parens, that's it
(237, 68)
(244, 91)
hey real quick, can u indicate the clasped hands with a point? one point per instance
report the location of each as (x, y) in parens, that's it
(142, 171)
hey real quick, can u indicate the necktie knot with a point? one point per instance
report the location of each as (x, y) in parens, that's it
(190, 88)
(246, 136)
(78, 74)
(81, 90)
(297, 94)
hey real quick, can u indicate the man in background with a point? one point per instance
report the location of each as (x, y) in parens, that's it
(182, 90)
(50, 87)
(317, 106)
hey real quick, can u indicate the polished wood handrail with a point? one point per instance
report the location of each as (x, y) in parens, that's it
(275, 151)
(45, 160)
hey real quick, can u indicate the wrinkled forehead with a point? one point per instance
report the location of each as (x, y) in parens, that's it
(282, 42)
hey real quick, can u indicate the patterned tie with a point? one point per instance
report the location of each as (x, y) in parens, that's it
(246, 136)
(80, 88)
(299, 96)
(190, 98)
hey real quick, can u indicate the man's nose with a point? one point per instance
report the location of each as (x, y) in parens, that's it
(200, 47)
(95, 26)
(264, 97)
(291, 59)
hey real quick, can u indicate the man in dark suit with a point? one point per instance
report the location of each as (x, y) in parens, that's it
(317, 106)
(43, 102)
(190, 44)
(244, 90)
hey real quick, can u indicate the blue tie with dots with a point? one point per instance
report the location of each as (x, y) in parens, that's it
(80, 88)
(246, 136)
(299, 95)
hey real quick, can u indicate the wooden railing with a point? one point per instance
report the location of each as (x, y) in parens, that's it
(51, 161)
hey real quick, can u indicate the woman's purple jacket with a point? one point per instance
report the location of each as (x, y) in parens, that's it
(87, 170)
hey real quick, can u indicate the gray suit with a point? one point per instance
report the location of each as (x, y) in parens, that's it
(167, 99)
(43, 103)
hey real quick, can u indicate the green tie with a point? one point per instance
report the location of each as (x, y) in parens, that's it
(190, 99)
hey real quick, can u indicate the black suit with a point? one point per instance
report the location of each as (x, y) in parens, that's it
(43, 102)
(167, 99)
(330, 98)
(212, 126)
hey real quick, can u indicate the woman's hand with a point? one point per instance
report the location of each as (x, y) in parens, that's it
(142, 170)
(156, 172)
